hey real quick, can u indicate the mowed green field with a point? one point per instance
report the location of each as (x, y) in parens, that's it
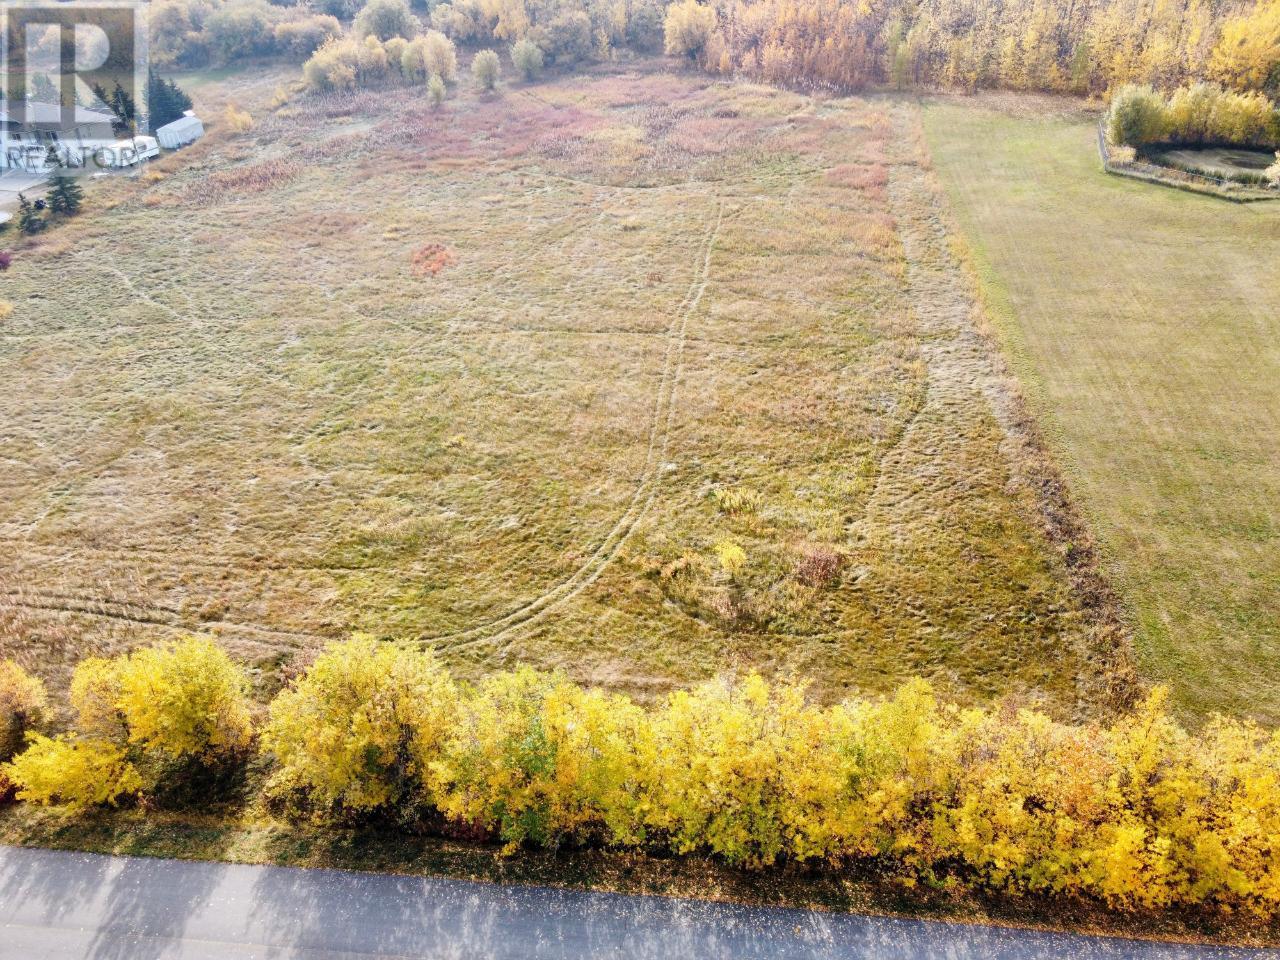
(641, 376)
(1145, 322)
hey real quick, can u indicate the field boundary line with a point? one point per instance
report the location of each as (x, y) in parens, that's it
(1106, 647)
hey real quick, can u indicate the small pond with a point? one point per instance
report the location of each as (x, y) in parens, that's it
(1218, 161)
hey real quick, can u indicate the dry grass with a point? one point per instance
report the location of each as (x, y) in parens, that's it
(1145, 323)
(244, 413)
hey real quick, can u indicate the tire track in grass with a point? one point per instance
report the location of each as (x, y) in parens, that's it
(661, 423)
(139, 614)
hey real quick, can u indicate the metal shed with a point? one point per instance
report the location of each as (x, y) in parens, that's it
(180, 132)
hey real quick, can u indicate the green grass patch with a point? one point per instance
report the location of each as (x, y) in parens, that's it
(1144, 323)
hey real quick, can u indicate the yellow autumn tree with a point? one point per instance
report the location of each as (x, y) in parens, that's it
(1030, 798)
(906, 750)
(539, 759)
(1247, 54)
(23, 703)
(73, 772)
(358, 729)
(743, 771)
(181, 701)
(185, 699)
(687, 28)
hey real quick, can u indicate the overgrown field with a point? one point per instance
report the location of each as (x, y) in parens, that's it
(637, 375)
(1147, 322)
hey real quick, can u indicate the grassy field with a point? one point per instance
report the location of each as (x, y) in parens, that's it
(1146, 324)
(514, 379)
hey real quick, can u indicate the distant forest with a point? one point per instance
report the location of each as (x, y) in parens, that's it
(1077, 46)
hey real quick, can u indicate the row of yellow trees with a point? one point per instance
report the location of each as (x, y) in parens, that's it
(1137, 813)
(1075, 45)
(1067, 45)
(344, 63)
(1070, 45)
(1200, 114)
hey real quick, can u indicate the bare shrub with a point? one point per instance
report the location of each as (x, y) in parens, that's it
(237, 119)
(818, 565)
(737, 501)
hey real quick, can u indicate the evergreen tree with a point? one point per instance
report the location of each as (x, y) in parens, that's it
(178, 98)
(44, 91)
(124, 107)
(101, 97)
(66, 196)
(29, 219)
(166, 101)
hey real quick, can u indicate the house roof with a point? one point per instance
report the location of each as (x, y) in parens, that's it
(48, 113)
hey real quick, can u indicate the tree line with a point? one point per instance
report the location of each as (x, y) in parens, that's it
(1077, 46)
(1137, 812)
(1202, 114)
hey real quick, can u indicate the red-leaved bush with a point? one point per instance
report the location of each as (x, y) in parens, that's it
(429, 260)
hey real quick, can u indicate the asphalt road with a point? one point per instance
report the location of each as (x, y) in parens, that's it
(13, 182)
(69, 905)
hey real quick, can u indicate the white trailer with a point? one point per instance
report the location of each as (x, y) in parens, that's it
(127, 153)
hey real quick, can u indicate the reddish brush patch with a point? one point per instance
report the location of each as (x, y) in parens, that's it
(6, 259)
(859, 176)
(808, 136)
(703, 135)
(254, 178)
(430, 260)
(818, 566)
(642, 89)
(871, 178)
(490, 130)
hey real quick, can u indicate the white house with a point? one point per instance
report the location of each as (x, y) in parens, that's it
(186, 129)
(28, 129)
